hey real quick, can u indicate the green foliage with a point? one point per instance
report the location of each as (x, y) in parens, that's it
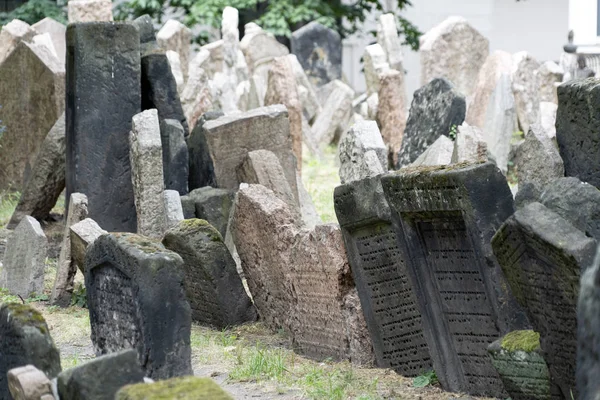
(259, 363)
(35, 298)
(79, 296)
(453, 132)
(8, 204)
(279, 17)
(34, 11)
(429, 378)
(527, 341)
(6, 297)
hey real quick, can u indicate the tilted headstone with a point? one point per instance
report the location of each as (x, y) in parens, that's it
(202, 172)
(32, 93)
(25, 340)
(211, 204)
(12, 34)
(375, 63)
(100, 378)
(45, 40)
(542, 256)
(57, 32)
(391, 111)
(362, 137)
(300, 283)
(231, 137)
(212, 284)
(439, 153)
(577, 124)
(29, 383)
(193, 387)
(90, 10)
(175, 65)
(526, 89)
(387, 37)
(147, 173)
(136, 299)
(453, 50)
(335, 115)
(83, 234)
(175, 156)
(177, 37)
(444, 223)
(549, 76)
(469, 145)
(259, 46)
(382, 278)
(319, 50)
(173, 209)
(47, 179)
(148, 43)
(548, 118)
(25, 259)
(436, 108)
(66, 268)
(103, 94)
(306, 90)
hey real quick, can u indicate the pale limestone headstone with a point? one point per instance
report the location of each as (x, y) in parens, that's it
(147, 173)
(308, 211)
(526, 89)
(259, 46)
(387, 37)
(196, 97)
(362, 138)
(82, 235)
(335, 115)
(375, 63)
(45, 40)
(210, 57)
(469, 145)
(231, 38)
(306, 90)
(453, 50)
(57, 33)
(174, 211)
(175, 63)
(12, 34)
(90, 10)
(177, 37)
(392, 111)
(550, 75)
(28, 383)
(24, 261)
(439, 153)
(548, 118)
(66, 269)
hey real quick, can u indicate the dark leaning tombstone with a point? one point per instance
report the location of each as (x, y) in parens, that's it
(136, 299)
(211, 204)
(25, 339)
(175, 156)
(319, 50)
(384, 287)
(577, 126)
(542, 256)
(444, 219)
(214, 288)
(103, 94)
(202, 170)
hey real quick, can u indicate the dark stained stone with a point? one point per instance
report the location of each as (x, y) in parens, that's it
(147, 36)
(175, 156)
(210, 204)
(202, 172)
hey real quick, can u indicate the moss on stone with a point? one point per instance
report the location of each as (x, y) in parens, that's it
(526, 341)
(195, 224)
(26, 315)
(186, 388)
(141, 243)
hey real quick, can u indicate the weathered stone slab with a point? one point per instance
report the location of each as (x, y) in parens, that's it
(175, 156)
(469, 145)
(32, 93)
(231, 137)
(298, 284)
(211, 204)
(548, 118)
(100, 378)
(375, 63)
(66, 269)
(319, 50)
(387, 37)
(83, 234)
(196, 97)
(260, 46)
(435, 109)
(29, 383)
(148, 43)
(57, 32)
(362, 138)
(136, 300)
(577, 126)
(549, 75)
(453, 50)
(25, 259)
(25, 341)
(306, 91)
(12, 34)
(439, 153)
(177, 37)
(46, 41)
(526, 89)
(175, 64)
(212, 284)
(542, 256)
(382, 278)
(202, 171)
(90, 10)
(518, 358)
(103, 94)
(173, 209)
(444, 220)
(193, 387)
(47, 179)
(391, 111)
(335, 115)
(147, 173)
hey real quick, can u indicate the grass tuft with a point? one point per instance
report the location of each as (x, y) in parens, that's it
(320, 177)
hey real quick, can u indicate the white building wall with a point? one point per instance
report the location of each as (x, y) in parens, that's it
(537, 26)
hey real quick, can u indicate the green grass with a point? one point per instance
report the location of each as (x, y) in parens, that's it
(320, 177)
(337, 382)
(8, 203)
(260, 363)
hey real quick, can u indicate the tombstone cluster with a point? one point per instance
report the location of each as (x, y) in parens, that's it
(182, 173)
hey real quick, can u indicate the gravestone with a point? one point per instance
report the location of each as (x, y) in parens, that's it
(46, 41)
(435, 109)
(335, 115)
(526, 89)
(211, 204)
(90, 10)
(542, 256)
(202, 171)
(29, 383)
(100, 378)
(147, 173)
(159, 89)
(232, 136)
(548, 118)
(148, 42)
(175, 156)
(103, 94)
(259, 46)
(177, 37)
(192, 387)
(391, 112)
(469, 145)
(136, 300)
(550, 75)
(175, 65)
(382, 278)
(444, 219)
(453, 50)
(299, 284)
(439, 153)
(25, 259)
(212, 284)
(25, 341)
(12, 34)
(375, 63)
(32, 93)
(47, 180)
(57, 32)
(66, 268)
(82, 235)
(306, 91)
(387, 37)
(577, 124)
(319, 50)
(362, 138)
(173, 209)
